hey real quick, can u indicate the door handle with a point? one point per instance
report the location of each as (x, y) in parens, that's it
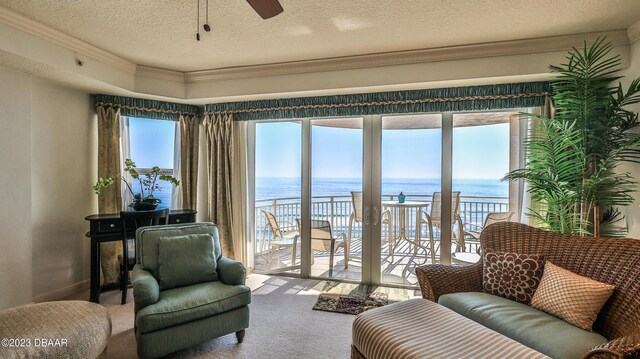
(376, 216)
(367, 216)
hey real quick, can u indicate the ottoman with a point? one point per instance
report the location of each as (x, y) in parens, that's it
(65, 329)
(419, 328)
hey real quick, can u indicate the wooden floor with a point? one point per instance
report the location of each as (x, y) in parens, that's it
(398, 270)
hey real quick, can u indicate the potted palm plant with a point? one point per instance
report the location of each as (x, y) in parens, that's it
(574, 157)
(148, 183)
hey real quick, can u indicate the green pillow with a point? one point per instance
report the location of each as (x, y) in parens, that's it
(186, 260)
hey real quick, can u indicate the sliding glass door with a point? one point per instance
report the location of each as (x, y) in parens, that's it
(336, 198)
(277, 193)
(411, 176)
(371, 198)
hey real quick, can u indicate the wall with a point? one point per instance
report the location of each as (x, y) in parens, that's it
(63, 160)
(15, 188)
(48, 151)
(632, 212)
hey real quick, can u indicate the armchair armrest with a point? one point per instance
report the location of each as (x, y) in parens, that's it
(438, 279)
(146, 290)
(623, 347)
(231, 272)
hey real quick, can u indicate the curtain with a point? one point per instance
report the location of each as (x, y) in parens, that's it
(188, 158)
(467, 98)
(125, 152)
(530, 129)
(240, 192)
(220, 164)
(109, 201)
(176, 191)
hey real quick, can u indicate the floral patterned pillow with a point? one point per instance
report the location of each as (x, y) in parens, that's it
(511, 275)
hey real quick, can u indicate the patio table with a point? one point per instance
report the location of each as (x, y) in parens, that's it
(402, 208)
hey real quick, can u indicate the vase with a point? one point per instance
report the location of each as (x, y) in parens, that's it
(401, 197)
(144, 206)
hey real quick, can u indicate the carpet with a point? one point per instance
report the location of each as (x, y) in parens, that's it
(351, 298)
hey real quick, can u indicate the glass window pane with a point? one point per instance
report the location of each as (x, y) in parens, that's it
(152, 144)
(278, 161)
(411, 165)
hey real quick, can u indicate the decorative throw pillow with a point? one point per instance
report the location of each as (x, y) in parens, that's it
(571, 297)
(511, 275)
(186, 260)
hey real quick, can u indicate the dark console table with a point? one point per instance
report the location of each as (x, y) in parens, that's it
(108, 228)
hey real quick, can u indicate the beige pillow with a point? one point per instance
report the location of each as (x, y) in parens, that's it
(571, 297)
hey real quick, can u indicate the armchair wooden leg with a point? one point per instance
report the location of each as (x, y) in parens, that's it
(240, 335)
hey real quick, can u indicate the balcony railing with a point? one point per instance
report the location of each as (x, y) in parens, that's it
(337, 210)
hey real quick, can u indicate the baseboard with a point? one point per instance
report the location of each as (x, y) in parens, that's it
(62, 292)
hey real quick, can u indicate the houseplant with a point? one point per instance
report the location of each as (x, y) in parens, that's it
(573, 158)
(143, 200)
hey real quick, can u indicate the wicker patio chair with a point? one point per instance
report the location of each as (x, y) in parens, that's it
(615, 261)
(356, 217)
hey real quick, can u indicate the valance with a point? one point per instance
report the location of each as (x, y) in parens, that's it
(472, 98)
(136, 107)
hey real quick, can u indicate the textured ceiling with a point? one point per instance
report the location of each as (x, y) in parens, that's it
(161, 33)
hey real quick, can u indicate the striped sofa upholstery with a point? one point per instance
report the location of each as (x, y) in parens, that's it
(419, 328)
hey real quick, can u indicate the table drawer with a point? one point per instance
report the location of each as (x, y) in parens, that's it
(181, 218)
(109, 226)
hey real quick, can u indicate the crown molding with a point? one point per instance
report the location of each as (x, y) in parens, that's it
(45, 32)
(634, 32)
(449, 53)
(159, 74)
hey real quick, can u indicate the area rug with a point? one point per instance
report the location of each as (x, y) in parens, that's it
(351, 298)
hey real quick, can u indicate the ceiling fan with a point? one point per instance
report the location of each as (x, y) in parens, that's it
(265, 8)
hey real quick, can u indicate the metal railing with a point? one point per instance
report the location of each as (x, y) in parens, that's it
(337, 210)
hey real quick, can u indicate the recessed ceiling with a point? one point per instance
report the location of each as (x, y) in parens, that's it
(161, 33)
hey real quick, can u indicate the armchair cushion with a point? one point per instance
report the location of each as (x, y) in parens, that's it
(529, 326)
(186, 304)
(146, 290)
(231, 272)
(186, 260)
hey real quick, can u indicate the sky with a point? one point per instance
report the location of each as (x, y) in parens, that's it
(479, 152)
(152, 142)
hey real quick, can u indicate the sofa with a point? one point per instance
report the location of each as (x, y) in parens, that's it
(170, 316)
(467, 322)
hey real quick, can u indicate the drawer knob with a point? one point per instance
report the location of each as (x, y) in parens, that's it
(112, 225)
(178, 220)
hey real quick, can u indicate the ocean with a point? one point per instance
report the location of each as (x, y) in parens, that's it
(281, 187)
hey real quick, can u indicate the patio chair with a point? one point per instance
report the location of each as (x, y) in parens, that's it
(434, 219)
(472, 231)
(322, 239)
(280, 238)
(356, 217)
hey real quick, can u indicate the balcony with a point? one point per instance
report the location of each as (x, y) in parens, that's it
(396, 269)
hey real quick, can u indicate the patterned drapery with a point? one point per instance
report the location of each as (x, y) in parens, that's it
(220, 164)
(189, 136)
(109, 201)
(471, 98)
(137, 107)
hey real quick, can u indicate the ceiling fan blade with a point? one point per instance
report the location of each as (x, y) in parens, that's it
(266, 8)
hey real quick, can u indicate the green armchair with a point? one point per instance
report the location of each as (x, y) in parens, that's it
(185, 292)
